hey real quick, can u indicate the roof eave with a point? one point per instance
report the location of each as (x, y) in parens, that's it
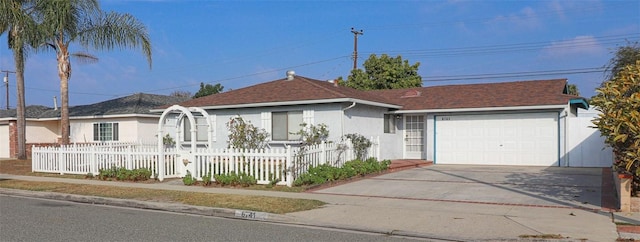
(484, 109)
(580, 102)
(300, 102)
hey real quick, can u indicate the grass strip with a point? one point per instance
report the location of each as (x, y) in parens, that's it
(275, 205)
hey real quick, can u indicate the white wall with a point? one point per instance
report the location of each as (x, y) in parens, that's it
(129, 129)
(42, 131)
(586, 148)
(147, 129)
(4, 140)
(369, 122)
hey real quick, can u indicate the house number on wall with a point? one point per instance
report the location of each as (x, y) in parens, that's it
(445, 118)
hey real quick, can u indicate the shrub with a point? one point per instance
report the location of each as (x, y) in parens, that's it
(124, 174)
(360, 145)
(206, 179)
(233, 179)
(243, 135)
(619, 101)
(325, 173)
(188, 179)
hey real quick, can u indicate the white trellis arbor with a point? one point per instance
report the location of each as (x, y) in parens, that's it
(185, 157)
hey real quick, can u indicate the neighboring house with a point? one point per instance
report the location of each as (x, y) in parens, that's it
(122, 119)
(509, 123)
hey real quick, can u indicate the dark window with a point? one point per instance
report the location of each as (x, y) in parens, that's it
(389, 124)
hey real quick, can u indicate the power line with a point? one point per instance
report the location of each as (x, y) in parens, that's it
(515, 47)
(513, 74)
(244, 76)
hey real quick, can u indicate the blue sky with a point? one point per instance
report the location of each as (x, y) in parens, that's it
(241, 43)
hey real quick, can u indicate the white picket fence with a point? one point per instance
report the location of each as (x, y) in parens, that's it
(90, 158)
(280, 166)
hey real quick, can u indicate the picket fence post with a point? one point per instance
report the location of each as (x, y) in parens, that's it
(94, 163)
(323, 153)
(129, 158)
(377, 148)
(34, 159)
(60, 160)
(289, 166)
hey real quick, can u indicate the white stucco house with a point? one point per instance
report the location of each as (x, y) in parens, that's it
(508, 123)
(122, 119)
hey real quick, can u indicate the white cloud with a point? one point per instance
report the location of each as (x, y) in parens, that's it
(578, 46)
(525, 19)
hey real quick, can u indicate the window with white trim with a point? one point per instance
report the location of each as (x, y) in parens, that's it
(201, 129)
(105, 132)
(389, 124)
(283, 124)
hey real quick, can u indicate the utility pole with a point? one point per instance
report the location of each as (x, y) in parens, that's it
(6, 83)
(355, 46)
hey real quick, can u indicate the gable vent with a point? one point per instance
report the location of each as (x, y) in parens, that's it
(411, 93)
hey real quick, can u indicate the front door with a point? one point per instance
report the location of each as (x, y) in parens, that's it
(413, 136)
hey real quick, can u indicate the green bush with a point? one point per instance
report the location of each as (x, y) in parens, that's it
(325, 173)
(233, 179)
(188, 179)
(206, 179)
(124, 174)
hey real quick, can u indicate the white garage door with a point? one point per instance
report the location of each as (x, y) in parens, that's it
(528, 139)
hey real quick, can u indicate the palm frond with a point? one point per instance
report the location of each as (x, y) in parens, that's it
(84, 58)
(116, 30)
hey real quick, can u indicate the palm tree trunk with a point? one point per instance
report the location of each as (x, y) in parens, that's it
(18, 56)
(64, 72)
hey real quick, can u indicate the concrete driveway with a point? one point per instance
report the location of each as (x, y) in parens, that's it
(556, 187)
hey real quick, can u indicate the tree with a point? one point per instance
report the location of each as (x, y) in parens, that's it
(624, 56)
(618, 100)
(181, 94)
(573, 89)
(82, 21)
(18, 20)
(384, 73)
(208, 89)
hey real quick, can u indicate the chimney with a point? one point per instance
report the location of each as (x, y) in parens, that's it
(55, 103)
(290, 75)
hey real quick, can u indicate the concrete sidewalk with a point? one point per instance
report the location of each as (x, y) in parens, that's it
(436, 220)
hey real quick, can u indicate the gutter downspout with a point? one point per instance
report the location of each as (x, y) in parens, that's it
(342, 119)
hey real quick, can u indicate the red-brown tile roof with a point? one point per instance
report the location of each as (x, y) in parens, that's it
(505, 94)
(283, 90)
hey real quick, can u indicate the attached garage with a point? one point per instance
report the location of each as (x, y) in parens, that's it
(527, 139)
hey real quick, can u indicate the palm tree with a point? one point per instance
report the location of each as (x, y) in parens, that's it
(17, 19)
(83, 22)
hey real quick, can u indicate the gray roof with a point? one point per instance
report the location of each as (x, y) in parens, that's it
(139, 103)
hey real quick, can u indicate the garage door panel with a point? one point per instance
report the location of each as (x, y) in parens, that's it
(497, 139)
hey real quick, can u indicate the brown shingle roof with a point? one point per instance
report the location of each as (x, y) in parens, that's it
(283, 90)
(505, 94)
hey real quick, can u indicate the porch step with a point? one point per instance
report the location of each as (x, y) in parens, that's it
(398, 165)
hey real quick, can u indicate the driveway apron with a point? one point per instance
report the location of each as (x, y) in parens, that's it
(560, 187)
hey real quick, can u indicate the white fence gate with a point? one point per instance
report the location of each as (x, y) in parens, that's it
(586, 148)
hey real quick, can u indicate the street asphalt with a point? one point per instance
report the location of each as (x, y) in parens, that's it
(438, 202)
